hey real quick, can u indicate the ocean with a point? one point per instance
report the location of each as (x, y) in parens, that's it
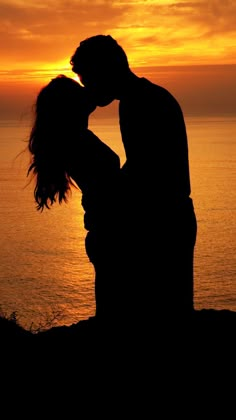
(46, 277)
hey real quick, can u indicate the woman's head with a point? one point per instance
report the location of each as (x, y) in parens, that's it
(64, 102)
(62, 109)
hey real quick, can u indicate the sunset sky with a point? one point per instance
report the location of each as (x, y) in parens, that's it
(188, 47)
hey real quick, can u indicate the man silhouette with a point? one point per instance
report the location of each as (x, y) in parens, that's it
(161, 221)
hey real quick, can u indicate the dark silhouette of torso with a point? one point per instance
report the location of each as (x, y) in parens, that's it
(96, 169)
(140, 218)
(155, 140)
(162, 222)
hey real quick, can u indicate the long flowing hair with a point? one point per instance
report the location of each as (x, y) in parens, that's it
(61, 115)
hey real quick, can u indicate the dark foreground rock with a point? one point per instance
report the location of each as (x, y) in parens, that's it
(157, 366)
(203, 327)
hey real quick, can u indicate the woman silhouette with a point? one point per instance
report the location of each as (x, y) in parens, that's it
(65, 153)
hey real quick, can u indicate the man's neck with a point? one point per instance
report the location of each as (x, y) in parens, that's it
(126, 83)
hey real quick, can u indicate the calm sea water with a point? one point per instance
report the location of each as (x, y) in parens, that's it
(45, 274)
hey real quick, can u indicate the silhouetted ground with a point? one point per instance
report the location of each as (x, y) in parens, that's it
(204, 327)
(174, 362)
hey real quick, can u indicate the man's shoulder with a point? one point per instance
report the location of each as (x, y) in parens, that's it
(146, 93)
(154, 93)
(148, 84)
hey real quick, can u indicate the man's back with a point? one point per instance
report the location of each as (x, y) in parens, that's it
(161, 226)
(154, 136)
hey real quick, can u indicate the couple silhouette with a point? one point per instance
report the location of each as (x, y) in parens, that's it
(140, 219)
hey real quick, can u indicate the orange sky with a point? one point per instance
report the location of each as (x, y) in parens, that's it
(187, 46)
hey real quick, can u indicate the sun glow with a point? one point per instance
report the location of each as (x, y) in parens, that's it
(78, 79)
(39, 73)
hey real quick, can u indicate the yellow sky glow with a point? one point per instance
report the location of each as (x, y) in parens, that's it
(154, 32)
(38, 38)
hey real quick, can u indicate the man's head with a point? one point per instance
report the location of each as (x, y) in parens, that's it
(101, 65)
